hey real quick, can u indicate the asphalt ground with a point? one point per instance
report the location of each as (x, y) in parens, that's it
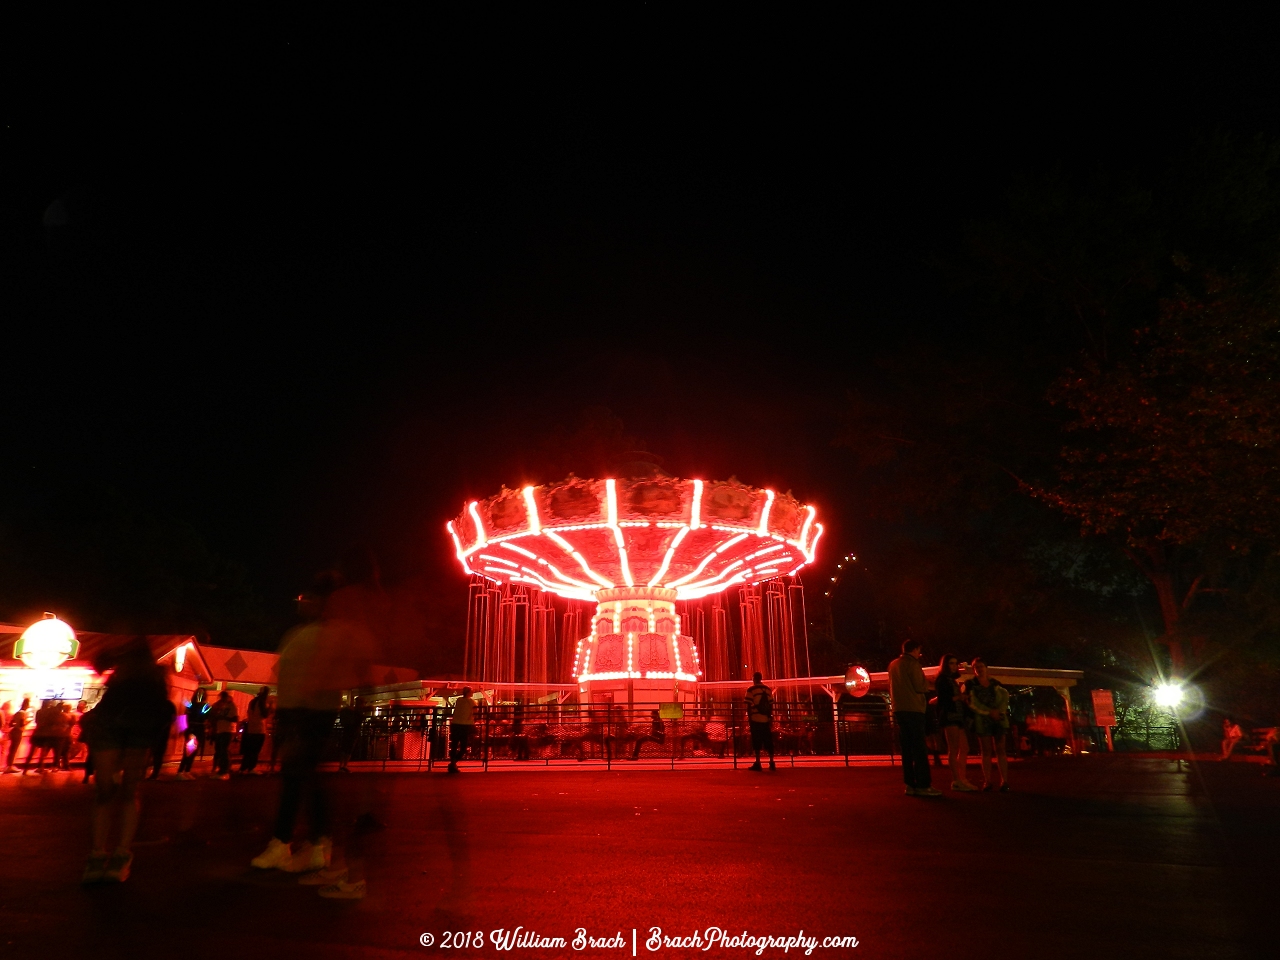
(1087, 857)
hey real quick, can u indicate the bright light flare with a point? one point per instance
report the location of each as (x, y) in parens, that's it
(1168, 695)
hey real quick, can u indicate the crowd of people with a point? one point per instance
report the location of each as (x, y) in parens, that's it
(55, 734)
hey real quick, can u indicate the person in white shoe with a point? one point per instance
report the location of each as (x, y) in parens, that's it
(952, 719)
(910, 692)
(319, 660)
(305, 716)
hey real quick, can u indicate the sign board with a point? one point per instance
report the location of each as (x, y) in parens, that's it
(1104, 709)
(671, 711)
(62, 689)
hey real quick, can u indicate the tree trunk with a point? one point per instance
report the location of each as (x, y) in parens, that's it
(1155, 565)
(1170, 612)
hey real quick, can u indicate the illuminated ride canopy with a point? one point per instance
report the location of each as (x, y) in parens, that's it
(635, 547)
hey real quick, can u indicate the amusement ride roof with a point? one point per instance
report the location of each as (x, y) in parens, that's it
(578, 537)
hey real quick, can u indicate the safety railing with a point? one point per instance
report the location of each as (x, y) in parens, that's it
(418, 737)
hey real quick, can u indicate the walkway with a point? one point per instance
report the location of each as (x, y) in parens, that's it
(1089, 857)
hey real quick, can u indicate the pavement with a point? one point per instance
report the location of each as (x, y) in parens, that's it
(1088, 857)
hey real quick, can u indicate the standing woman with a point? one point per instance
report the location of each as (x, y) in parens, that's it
(120, 731)
(225, 717)
(255, 730)
(951, 717)
(989, 702)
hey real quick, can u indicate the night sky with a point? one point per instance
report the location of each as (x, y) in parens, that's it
(306, 282)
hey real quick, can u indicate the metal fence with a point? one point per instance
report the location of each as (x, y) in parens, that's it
(417, 737)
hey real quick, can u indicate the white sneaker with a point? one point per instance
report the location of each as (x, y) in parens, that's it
(275, 857)
(927, 792)
(312, 856)
(910, 791)
(184, 776)
(963, 786)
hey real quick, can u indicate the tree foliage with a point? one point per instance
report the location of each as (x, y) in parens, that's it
(1180, 443)
(1165, 381)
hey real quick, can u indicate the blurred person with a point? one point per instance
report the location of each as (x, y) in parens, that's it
(44, 737)
(121, 730)
(224, 716)
(6, 714)
(461, 725)
(361, 606)
(760, 718)
(989, 701)
(332, 652)
(255, 730)
(952, 720)
(910, 691)
(14, 729)
(161, 746)
(657, 734)
(193, 735)
(1231, 735)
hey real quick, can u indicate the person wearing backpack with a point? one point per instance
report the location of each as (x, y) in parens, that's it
(760, 713)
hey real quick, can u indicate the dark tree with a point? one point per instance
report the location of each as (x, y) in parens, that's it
(1176, 449)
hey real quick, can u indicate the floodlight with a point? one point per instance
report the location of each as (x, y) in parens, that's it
(1168, 695)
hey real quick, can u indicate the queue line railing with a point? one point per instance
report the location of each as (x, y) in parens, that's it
(418, 737)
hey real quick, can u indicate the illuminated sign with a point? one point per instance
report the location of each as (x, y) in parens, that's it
(62, 690)
(46, 644)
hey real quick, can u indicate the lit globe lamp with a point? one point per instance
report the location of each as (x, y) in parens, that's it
(47, 644)
(44, 647)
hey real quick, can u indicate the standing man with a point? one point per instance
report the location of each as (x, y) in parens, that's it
(760, 713)
(910, 695)
(461, 727)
